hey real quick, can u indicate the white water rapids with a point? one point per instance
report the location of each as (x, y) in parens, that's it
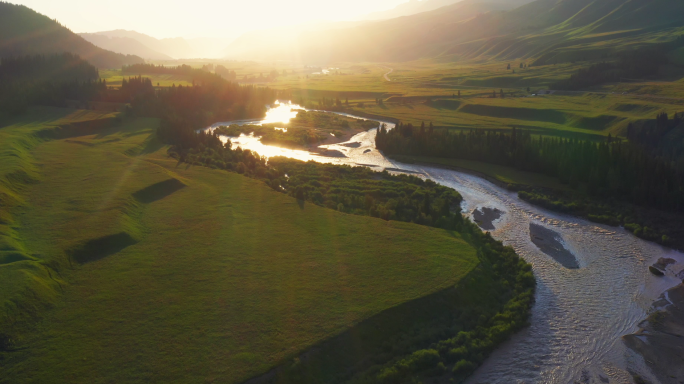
(579, 315)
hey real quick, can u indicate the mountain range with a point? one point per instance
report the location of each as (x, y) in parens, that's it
(148, 47)
(26, 32)
(413, 7)
(547, 30)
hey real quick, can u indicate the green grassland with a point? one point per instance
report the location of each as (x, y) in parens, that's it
(114, 77)
(159, 271)
(587, 114)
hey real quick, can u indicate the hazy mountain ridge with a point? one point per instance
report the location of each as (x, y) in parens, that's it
(409, 8)
(124, 45)
(551, 30)
(367, 41)
(170, 48)
(26, 32)
(413, 7)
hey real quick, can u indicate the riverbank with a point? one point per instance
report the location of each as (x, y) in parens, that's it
(664, 228)
(660, 339)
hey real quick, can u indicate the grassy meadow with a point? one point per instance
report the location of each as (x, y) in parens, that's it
(152, 270)
(591, 114)
(114, 78)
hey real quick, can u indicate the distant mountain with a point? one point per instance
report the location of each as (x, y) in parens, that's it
(279, 42)
(26, 32)
(124, 45)
(176, 48)
(412, 7)
(545, 30)
(387, 40)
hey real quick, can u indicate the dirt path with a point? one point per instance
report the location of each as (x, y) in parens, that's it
(386, 75)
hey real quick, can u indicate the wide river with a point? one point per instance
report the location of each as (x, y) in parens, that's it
(580, 314)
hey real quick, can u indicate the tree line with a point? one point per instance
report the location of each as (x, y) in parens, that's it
(611, 168)
(614, 182)
(47, 80)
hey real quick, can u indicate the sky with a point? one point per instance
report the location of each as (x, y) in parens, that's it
(199, 18)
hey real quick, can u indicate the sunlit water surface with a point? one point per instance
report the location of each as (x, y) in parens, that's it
(579, 315)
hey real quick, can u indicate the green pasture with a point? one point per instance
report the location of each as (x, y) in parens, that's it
(142, 269)
(114, 78)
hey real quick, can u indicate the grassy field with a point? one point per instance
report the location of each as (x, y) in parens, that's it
(588, 114)
(114, 77)
(185, 274)
(592, 115)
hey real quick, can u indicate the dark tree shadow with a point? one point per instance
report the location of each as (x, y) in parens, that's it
(158, 191)
(100, 248)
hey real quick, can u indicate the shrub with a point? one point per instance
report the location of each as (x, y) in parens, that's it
(463, 367)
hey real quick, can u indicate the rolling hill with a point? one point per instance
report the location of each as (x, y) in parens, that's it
(550, 30)
(26, 32)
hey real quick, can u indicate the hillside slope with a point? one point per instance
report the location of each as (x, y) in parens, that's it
(26, 32)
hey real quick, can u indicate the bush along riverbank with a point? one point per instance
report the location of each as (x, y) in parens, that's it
(447, 334)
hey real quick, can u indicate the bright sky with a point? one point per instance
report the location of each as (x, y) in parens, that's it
(194, 18)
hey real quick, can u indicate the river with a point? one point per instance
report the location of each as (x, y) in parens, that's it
(580, 314)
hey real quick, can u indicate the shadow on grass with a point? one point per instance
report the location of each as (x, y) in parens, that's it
(151, 145)
(445, 104)
(158, 191)
(100, 248)
(395, 332)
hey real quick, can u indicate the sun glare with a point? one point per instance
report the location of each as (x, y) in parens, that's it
(281, 113)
